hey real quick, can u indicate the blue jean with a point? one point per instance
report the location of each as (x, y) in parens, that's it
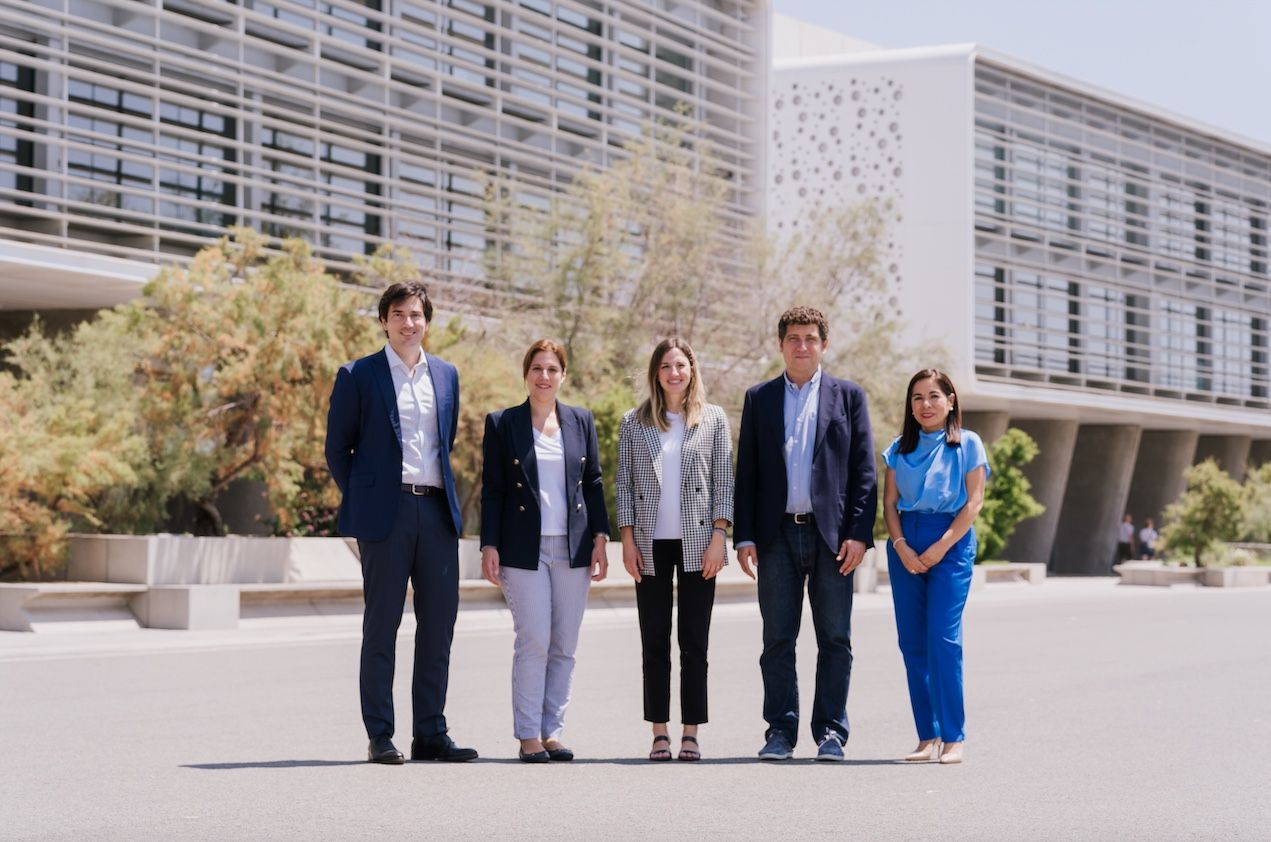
(929, 624)
(796, 556)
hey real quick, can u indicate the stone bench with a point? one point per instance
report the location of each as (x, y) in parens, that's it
(1033, 572)
(24, 606)
(1154, 573)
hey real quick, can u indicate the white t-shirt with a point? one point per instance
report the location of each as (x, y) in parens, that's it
(1127, 532)
(550, 453)
(1147, 535)
(668, 525)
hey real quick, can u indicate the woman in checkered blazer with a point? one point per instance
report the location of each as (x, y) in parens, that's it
(675, 501)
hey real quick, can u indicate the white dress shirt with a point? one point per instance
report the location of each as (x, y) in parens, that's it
(553, 507)
(417, 411)
(668, 525)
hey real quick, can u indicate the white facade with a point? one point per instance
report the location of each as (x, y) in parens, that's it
(1096, 268)
(140, 129)
(1080, 256)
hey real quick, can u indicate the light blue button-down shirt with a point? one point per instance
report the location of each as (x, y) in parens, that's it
(801, 404)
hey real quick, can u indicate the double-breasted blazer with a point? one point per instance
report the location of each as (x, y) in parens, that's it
(511, 519)
(364, 443)
(844, 493)
(706, 484)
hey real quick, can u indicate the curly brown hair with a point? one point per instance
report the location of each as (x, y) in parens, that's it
(803, 316)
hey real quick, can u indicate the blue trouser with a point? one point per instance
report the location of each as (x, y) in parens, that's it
(422, 549)
(929, 622)
(796, 555)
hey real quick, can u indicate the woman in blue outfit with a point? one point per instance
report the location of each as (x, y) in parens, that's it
(933, 492)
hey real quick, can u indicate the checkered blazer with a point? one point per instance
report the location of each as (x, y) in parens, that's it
(706, 484)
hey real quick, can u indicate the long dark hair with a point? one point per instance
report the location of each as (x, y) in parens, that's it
(952, 425)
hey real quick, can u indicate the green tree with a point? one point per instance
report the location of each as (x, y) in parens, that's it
(1007, 500)
(1211, 509)
(71, 451)
(1257, 518)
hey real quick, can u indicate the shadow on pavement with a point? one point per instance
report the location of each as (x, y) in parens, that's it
(273, 764)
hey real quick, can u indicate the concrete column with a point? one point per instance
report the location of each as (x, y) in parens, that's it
(1231, 453)
(1094, 501)
(1259, 453)
(990, 425)
(1035, 538)
(1158, 473)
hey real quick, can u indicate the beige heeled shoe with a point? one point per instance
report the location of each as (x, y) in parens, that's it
(952, 753)
(925, 754)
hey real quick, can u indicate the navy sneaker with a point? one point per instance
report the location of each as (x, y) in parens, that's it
(777, 747)
(829, 748)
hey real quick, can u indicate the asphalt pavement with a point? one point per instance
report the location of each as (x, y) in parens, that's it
(1095, 712)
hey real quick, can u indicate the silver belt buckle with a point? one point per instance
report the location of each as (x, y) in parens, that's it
(802, 518)
(414, 489)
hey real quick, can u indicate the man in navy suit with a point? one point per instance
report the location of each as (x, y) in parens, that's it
(805, 501)
(390, 430)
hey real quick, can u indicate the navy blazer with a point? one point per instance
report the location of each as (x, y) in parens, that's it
(364, 443)
(511, 520)
(844, 486)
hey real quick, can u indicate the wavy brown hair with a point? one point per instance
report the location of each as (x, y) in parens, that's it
(652, 413)
(952, 425)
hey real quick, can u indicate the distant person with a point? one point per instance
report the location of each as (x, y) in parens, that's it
(1125, 539)
(932, 493)
(806, 501)
(1147, 540)
(390, 430)
(543, 533)
(675, 503)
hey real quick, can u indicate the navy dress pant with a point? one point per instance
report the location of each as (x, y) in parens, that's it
(424, 550)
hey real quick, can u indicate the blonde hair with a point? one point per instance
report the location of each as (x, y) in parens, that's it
(652, 412)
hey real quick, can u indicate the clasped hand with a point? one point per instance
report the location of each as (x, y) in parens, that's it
(919, 563)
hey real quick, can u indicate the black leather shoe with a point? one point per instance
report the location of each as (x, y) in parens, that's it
(534, 756)
(382, 750)
(440, 747)
(560, 755)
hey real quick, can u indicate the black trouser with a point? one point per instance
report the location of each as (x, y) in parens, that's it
(422, 549)
(654, 598)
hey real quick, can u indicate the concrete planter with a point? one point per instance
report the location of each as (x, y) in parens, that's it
(1155, 574)
(1234, 577)
(979, 576)
(233, 559)
(187, 560)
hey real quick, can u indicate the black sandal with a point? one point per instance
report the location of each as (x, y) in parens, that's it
(688, 754)
(661, 754)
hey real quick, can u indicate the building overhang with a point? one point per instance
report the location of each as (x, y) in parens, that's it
(44, 278)
(1084, 407)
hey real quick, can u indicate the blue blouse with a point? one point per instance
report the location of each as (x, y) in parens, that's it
(933, 477)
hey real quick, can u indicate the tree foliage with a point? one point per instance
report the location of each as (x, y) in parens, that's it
(1211, 509)
(1256, 526)
(1007, 500)
(220, 372)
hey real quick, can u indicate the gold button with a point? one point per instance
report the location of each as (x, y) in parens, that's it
(518, 485)
(520, 508)
(516, 461)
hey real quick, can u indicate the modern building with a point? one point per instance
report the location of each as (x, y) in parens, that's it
(1096, 267)
(132, 132)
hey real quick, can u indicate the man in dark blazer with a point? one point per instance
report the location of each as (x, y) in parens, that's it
(805, 502)
(390, 430)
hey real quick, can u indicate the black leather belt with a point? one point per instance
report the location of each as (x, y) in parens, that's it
(800, 518)
(421, 490)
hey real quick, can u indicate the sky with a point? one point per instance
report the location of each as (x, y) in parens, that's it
(1206, 61)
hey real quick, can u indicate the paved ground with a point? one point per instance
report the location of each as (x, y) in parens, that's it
(1096, 712)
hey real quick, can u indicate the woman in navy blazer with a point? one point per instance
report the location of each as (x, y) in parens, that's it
(543, 533)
